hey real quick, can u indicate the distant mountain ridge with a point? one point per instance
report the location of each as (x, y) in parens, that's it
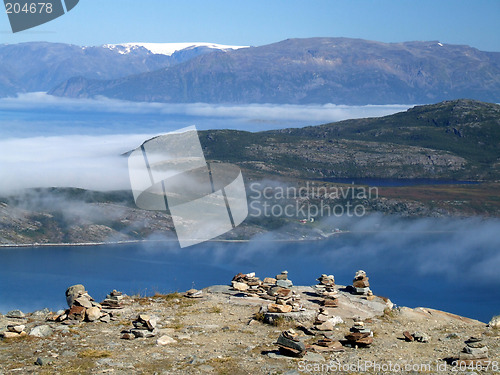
(40, 66)
(314, 70)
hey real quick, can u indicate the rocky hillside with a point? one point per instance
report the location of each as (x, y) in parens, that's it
(252, 326)
(457, 140)
(40, 66)
(315, 70)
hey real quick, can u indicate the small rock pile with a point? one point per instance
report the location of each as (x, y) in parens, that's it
(417, 336)
(193, 293)
(282, 280)
(326, 289)
(81, 307)
(248, 283)
(14, 330)
(113, 300)
(361, 284)
(474, 353)
(286, 300)
(326, 345)
(289, 344)
(325, 322)
(144, 327)
(359, 335)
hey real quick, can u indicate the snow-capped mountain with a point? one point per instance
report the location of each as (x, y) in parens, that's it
(167, 49)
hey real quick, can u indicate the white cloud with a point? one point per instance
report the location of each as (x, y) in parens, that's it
(90, 162)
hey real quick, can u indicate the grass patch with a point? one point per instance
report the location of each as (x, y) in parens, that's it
(214, 310)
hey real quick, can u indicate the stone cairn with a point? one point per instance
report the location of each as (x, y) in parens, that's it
(82, 307)
(289, 344)
(474, 353)
(275, 289)
(361, 285)
(326, 345)
(325, 322)
(326, 289)
(144, 327)
(113, 300)
(359, 335)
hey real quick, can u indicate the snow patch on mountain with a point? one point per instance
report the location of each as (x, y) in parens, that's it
(167, 48)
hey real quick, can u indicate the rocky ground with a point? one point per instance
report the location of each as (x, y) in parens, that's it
(220, 330)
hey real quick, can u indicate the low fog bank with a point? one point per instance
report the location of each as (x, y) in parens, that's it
(248, 113)
(88, 162)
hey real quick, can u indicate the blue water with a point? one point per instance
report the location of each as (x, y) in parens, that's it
(412, 275)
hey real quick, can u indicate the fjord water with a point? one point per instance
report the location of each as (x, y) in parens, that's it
(415, 274)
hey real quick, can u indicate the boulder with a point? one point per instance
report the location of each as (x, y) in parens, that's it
(420, 337)
(74, 292)
(16, 314)
(41, 331)
(165, 340)
(93, 313)
(495, 322)
(241, 287)
(10, 335)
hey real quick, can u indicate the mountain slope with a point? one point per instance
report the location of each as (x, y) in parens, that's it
(451, 140)
(28, 67)
(315, 70)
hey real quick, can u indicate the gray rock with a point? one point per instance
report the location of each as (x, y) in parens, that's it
(42, 312)
(478, 352)
(284, 283)
(143, 333)
(17, 314)
(495, 322)
(16, 328)
(297, 345)
(73, 292)
(83, 301)
(41, 331)
(105, 319)
(43, 361)
(93, 314)
(420, 337)
(314, 357)
(165, 340)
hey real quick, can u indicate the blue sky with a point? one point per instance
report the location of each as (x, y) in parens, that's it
(259, 22)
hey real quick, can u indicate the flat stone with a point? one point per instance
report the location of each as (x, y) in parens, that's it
(289, 343)
(325, 326)
(408, 336)
(275, 308)
(93, 313)
(165, 340)
(314, 357)
(16, 328)
(41, 331)
(242, 287)
(16, 314)
(284, 283)
(477, 352)
(420, 337)
(269, 280)
(10, 335)
(361, 284)
(469, 356)
(105, 319)
(143, 333)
